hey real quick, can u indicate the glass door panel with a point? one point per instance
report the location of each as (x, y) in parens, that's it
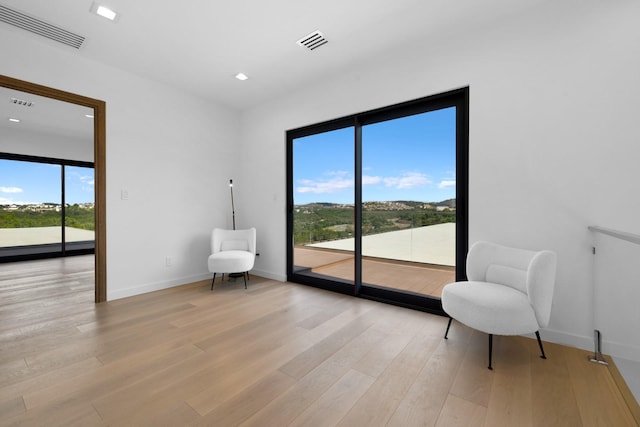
(30, 208)
(79, 208)
(323, 206)
(377, 201)
(409, 202)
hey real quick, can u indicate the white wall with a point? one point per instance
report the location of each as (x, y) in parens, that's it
(173, 153)
(554, 139)
(32, 143)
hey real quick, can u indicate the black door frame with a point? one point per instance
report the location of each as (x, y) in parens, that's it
(458, 98)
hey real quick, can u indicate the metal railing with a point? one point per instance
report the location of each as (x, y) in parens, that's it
(620, 235)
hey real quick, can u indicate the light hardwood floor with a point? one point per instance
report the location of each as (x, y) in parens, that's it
(277, 354)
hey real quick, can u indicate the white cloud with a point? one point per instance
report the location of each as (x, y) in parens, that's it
(447, 183)
(369, 180)
(12, 190)
(329, 186)
(340, 181)
(87, 179)
(407, 181)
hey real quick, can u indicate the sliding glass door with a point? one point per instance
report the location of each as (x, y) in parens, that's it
(377, 201)
(46, 207)
(79, 217)
(409, 202)
(323, 206)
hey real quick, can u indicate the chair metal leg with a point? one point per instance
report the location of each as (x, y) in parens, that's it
(244, 276)
(448, 326)
(490, 350)
(214, 279)
(542, 356)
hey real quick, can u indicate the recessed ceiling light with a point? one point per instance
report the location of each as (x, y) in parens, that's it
(11, 119)
(103, 11)
(241, 76)
(106, 13)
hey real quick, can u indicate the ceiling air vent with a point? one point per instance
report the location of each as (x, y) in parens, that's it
(37, 26)
(312, 41)
(21, 102)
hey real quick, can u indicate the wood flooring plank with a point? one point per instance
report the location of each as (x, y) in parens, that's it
(71, 414)
(12, 407)
(250, 369)
(311, 358)
(599, 401)
(334, 403)
(382, 399)
(553, 398)
(511, 393)
(246, 403)
(276, 354)
(106, 379)
(422, 404)
(311, 386)
(626, 392)
(473, 380)
(377, 360)
(161, 388)
(458, 412)
(48, 378)
(156, 414)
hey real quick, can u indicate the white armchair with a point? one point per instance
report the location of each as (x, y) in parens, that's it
(232, 251)
(508, 292)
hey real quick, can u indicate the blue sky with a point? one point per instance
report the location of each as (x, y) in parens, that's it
(28, 182)
(411, 158)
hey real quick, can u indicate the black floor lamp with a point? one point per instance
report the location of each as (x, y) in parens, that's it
(233, 209)
(233, 216)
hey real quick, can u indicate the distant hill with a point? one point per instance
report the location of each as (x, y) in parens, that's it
(384, 205)
(450, 203)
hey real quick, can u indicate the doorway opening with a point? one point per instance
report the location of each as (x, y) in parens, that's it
(99, 162)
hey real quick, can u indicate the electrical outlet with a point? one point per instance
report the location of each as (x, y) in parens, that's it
(168, 261)
(124, 194)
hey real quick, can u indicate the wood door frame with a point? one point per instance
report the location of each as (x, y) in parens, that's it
(99, 158)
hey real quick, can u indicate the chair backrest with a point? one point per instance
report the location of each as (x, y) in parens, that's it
(530, 272)
(233, 240)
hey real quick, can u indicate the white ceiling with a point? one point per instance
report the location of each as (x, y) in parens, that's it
(45, 116)
(199, 45)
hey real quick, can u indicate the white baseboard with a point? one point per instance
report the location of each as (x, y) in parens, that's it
(157, 286)
(624, 351)
(269, 275)
(571, 340)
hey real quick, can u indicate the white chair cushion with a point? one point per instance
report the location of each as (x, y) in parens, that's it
(489, 307)
(231, 262)
(508, 276)
(234, 245)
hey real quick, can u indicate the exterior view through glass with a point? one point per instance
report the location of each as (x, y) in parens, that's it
(377, 201)
(36, 198)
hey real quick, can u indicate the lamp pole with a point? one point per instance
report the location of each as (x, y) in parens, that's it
(233, 209)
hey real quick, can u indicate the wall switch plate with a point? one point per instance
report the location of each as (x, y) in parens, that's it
(124, 194)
